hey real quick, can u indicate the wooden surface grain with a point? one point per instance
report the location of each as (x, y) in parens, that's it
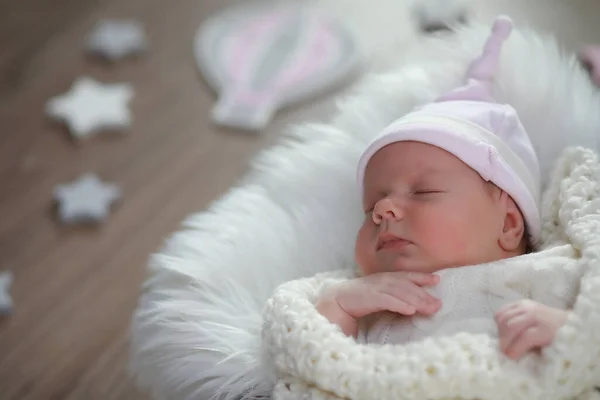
(75, 288)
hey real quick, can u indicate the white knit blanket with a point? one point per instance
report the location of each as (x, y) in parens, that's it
(313, 359)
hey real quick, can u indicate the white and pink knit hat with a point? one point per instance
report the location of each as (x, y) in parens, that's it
(485, 135)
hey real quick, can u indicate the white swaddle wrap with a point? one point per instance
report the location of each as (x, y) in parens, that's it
(472, 295)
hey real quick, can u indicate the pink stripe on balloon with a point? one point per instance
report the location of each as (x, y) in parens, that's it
(313, 58)
(315, 54)
(250, 40)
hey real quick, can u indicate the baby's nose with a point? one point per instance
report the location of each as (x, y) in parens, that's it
(386, 209)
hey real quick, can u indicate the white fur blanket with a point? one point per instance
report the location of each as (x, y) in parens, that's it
(314, 359)
(196, 333)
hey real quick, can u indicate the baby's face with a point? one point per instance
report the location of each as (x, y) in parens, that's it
(425, 210)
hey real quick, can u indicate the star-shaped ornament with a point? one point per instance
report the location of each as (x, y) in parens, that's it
(117, 39)
(87, 199)
(90, 107)
(6, 304)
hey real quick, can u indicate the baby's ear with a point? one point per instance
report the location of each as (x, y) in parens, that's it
(513, 228)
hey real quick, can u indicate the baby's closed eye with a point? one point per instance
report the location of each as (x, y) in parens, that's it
(426, 193)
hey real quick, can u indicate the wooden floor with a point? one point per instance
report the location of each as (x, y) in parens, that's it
(74, 288)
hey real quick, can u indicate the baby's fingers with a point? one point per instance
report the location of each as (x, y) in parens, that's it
(416, 296)
(423, 279)
(362, 301)
(388, 302)
(529, 339)
(511, 328)
(509, 312)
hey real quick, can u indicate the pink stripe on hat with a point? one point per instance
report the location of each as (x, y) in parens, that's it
(485, 135)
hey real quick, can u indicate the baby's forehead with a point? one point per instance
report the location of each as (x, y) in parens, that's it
(411, 155)
(419, 171)
(383, 180)
(404, 162)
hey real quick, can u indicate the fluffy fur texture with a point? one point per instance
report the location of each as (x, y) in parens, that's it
(197, 331)
(314, 358)
(433, 15)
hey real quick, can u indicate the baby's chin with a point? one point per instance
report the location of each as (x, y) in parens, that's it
(390, 262)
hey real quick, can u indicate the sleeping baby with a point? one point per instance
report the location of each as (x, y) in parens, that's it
(447, 189)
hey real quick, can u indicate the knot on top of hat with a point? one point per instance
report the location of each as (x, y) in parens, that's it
(482, 69)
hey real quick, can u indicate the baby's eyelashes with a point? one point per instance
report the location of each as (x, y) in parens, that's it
(428, 192)
(421, 193)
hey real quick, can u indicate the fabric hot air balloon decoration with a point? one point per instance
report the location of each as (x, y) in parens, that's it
(260, 59)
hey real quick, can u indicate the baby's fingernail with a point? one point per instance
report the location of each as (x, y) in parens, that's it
(434, 305)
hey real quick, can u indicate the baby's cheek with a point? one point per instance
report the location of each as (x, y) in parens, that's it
(450, 242)
(363, 251)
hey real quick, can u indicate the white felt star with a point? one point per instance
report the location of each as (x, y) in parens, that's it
(91, 106)
(87, 199)
(6, 303)
(115, 39)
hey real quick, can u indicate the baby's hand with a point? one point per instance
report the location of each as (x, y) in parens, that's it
(400, 292)
(527, 325)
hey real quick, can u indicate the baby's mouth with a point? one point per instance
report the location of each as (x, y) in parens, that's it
(387, 241)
